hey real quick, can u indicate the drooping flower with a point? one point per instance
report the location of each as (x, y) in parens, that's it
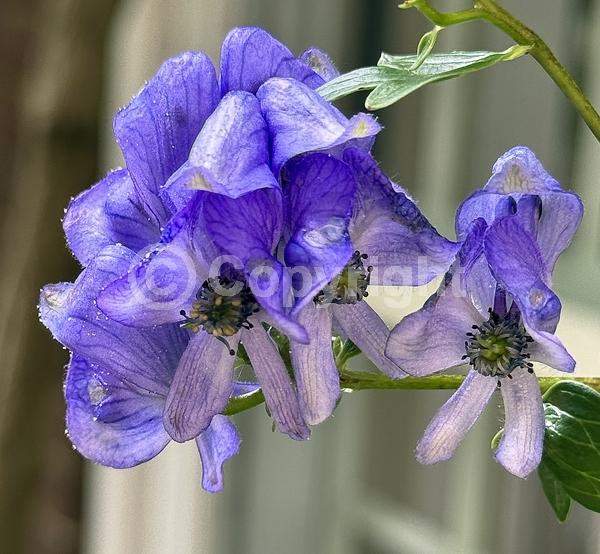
(495, 310)
(218, 268)
(186, 133)
(118, 377)
(390, 243)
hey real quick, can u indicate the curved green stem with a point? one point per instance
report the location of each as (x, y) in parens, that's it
(490, 11)
(366, 380)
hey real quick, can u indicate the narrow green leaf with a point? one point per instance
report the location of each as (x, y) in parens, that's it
(556, 494)
(572, 440)
(425, 47)
(394, 78)
(365, 78)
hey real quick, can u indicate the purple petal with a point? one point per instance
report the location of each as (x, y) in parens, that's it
(403, 247)
(108, 213)
(519, 173)
(157, 129)
(110, 421)
(164, 282)
(433, 338)
(318, 203)
(301, 121)
(201, 387)
(280, 395)
(272, 287)
(250, 56)
(455, 418)
(230, 155)
(245, 232)
(216, 445)
(320, 63)
(519, 170)
(248, 227)
(316, 374)
(485, 205)
(517, 264)
(520, 450)
(561, 216)
(549, 350)
(363, 326)
(146, 358)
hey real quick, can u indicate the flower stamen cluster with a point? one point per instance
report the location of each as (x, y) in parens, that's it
(498, 346)
(222, 307)
(350, 285)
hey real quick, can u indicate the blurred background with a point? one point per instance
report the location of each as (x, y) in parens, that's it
(66, 66)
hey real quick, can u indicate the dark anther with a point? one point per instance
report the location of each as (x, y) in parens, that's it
(499, 345)
(222, 307)
(350, 285)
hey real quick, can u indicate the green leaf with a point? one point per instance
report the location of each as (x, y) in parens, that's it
(425, 47)
(394, 79)
(572, 440)
(555, 492)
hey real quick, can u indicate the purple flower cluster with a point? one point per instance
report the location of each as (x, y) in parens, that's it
(248, 223)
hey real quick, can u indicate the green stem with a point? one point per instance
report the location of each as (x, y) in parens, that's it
(490, 11)
(366, 380)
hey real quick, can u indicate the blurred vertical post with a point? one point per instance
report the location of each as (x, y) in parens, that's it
(54, 155)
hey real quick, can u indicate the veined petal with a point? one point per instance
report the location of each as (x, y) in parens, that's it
(110, 421)
(517, 264)
(455, 418)
(519, 173)
(519, 170)
(145, 358)
(157, 129)
(367, 330)
(248, 227)
(280, 395)
(230, 156)
(319, 192)
(433, 338)
(520, 450)
(201, 387)
(250, 56)
(403, 247)
(316, 374)
(244, 232)
(108, 213)
(301, 121)
(164, 282)
(320, 63)
(219, 442)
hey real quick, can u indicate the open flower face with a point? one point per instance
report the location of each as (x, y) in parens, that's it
(496, 312)
(118, 377)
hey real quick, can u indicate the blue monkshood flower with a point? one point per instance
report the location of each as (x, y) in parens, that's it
(218, 267)
(390, 243)
(185, 131)
(496, 311)
(111, 420)
(186, 120)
